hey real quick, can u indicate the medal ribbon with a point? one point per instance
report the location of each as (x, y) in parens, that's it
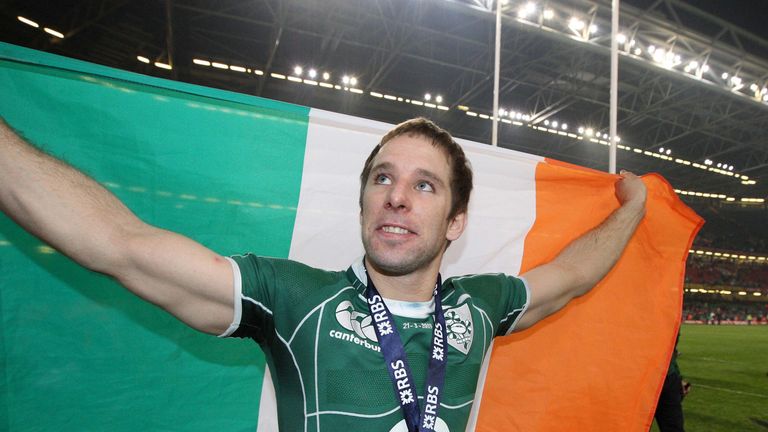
(397, 362)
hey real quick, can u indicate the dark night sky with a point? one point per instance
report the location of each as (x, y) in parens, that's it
(748, 14)
(751, 15)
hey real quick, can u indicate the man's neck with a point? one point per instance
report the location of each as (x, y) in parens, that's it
(415, 286)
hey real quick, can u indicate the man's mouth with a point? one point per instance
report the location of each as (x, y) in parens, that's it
(395, 230)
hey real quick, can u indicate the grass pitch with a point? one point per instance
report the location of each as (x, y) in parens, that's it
(728, 369)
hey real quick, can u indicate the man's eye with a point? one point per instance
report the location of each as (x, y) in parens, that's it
(424, 187)
(382, 179)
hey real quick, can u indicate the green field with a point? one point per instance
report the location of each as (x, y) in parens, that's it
(728, 368)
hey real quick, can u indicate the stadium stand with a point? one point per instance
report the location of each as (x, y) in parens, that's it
(726, 280)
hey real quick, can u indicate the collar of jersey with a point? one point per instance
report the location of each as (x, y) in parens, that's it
(406, 309)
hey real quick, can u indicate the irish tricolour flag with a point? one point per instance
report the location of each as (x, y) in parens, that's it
(238, 174)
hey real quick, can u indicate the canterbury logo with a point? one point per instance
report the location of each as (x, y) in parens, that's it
(359, 323)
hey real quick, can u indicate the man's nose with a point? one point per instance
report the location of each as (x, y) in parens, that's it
(398, 197)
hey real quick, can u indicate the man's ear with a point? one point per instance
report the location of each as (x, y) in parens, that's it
(456, 226)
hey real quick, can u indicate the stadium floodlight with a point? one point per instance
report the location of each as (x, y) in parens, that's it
(237, 68)
(345, 79)
(576, 24)
(297, 70)
(53, 32)
(724, 75)
(753, 87)
(651, 49)
(528, 9)
(621, 38)
(549, 14)
(638, 51)
(427, 96)
(661, 150)
(593, 29)
(312, 73)
(353, 81)
(546, 122)
(589, 131)
(439, 99)
(564, 126)
(669, 151)
(581, 130)
(28, 22)
(199, 62)
(142, 59)
(526, 117)
(326, 76)
(554, 124)
(220, 65)
(165, 66)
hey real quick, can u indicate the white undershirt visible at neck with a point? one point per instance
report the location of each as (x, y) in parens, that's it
(410, 309)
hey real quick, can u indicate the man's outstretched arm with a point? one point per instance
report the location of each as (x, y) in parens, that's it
(586, 260)
(81, 219)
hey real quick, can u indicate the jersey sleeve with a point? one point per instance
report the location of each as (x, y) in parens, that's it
(517, 297)
(255, 282)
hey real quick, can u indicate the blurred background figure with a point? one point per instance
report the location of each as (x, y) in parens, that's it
(669, 409)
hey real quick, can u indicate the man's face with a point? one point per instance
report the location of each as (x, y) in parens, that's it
(405, 207)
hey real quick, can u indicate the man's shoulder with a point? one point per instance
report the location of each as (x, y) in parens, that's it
(479, 279)
(290, 271)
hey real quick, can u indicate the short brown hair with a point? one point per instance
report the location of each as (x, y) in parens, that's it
(461, 171)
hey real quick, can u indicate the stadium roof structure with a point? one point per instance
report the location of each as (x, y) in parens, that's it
(693, 88)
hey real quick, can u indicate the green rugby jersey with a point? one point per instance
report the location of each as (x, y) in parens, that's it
(326, 365)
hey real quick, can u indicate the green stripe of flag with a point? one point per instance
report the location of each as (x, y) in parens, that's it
(80, 353)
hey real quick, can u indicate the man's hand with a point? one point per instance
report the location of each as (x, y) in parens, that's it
(630, 189)
(685, 388)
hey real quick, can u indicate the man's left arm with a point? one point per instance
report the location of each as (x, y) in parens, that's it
(586, 260)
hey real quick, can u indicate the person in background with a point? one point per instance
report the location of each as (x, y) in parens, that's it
(669, 409)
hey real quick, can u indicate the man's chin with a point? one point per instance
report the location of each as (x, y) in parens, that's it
(395, 266)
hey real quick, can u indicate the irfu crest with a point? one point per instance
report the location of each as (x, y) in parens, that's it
(458, 322)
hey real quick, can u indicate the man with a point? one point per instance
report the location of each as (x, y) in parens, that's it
(385, 345)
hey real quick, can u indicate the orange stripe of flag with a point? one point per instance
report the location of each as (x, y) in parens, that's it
(598, 364)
